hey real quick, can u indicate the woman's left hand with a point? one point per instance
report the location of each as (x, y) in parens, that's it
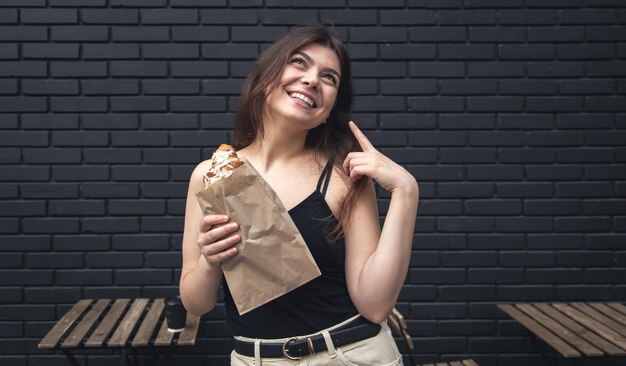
(388, 174)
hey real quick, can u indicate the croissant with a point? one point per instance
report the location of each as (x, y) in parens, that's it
(223, 162)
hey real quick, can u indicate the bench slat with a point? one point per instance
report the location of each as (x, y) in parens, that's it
(560, 331)
(106, 325)
(581, 331)
(125, 328)
(602, 330)
(58, 330)
(469, 363)
(149, 323)
(593, 313)
(76, 337)
(188, 336)
(164, 338)
(617, 307)
(563, 348)
(610, 312)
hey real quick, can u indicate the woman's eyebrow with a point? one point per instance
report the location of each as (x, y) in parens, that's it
(310, 60)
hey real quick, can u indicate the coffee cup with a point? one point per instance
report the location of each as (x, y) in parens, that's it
(175, 314)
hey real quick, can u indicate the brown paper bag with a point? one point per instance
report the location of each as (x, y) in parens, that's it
(273, 258)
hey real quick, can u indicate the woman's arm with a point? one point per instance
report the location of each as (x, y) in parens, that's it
(204, 248)
(377, 261)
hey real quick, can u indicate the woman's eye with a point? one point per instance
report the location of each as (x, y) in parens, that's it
(298, 60)
(330, 77)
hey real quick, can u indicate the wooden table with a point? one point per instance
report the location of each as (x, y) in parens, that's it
(575, 329)
(111, 332)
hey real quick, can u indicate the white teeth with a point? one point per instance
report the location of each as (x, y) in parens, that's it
(303, 98)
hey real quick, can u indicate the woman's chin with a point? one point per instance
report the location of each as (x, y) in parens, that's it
(297, 119)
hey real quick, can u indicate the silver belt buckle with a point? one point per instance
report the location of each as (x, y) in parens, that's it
(286, 349)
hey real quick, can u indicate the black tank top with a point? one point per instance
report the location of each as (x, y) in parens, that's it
(316, 305)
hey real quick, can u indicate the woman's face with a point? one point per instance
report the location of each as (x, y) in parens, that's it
(307, 89)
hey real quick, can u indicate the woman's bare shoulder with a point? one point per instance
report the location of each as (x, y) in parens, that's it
(337, 189)
(202, 168)
(340, 178)
(196, 181)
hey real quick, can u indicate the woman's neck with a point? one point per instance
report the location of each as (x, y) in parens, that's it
(277, 145)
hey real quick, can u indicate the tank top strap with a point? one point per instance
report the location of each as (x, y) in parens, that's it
(322, 183)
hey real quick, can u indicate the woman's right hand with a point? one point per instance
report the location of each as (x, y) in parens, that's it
(214, 239)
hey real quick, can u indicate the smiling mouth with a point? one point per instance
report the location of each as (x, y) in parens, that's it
(303, 98)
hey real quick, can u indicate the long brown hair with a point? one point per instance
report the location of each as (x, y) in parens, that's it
(333, 139)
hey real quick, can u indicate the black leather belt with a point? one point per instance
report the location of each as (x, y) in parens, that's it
(296, 348)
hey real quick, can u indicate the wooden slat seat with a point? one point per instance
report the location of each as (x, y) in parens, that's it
(454, 363)
(147, 327)
(575, 329)
(106, 326)
(188, 336)
(125, 328)
(79, 332)
(54, 335)
(141, 319)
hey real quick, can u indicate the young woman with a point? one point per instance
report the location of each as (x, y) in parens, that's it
(293, 125)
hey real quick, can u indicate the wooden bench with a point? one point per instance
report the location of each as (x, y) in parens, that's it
(140, 319)
(575, 329)
(397, 322)
(454, 363)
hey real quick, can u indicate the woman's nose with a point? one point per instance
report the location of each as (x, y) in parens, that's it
(309, 79)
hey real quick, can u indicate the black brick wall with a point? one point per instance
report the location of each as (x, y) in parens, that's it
(511, 114)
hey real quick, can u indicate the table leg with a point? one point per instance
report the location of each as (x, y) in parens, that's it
(123, 357)
(133, 352)
(162, 354)
(70, 357)
(543, 350)
(129, 359)
(546, 352)
(168, 354)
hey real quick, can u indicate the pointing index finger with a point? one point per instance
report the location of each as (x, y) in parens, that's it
(360, 137)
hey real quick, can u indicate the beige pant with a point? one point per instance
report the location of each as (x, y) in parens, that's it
(380, 350)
